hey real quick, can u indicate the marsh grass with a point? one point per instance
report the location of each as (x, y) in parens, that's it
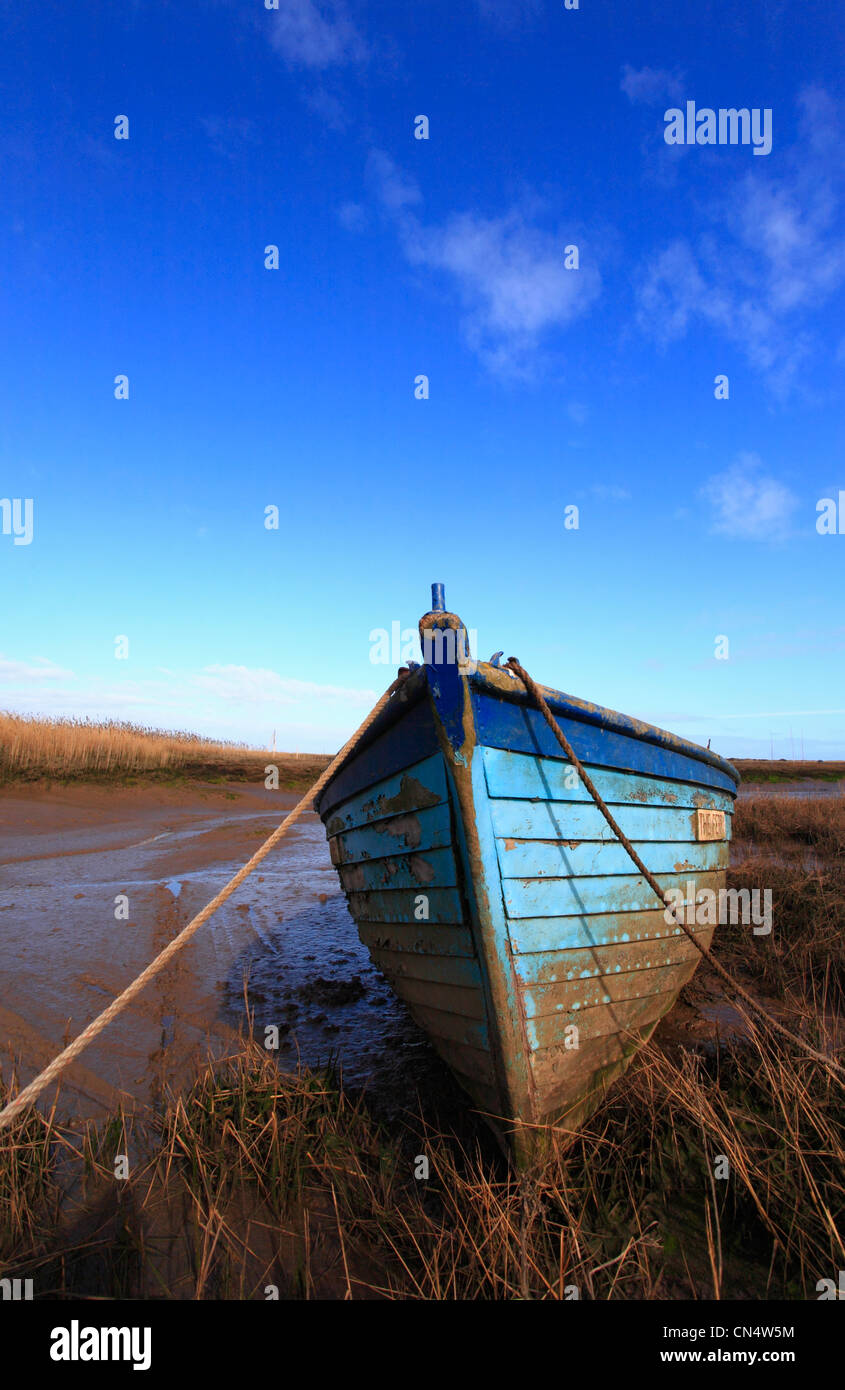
(34, 749)
(761, 770)
(713, 1170)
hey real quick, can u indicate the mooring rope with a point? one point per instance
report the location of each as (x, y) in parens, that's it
(537, 696)
(96, 1026)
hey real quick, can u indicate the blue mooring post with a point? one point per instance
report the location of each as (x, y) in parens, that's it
(438, 598)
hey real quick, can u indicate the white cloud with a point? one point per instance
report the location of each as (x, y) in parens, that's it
(40, 669)
(747, 504)
(512, 280)
(509, 272)
(244, 683)
(651, 86)
(353, 217)
(316, 34)
(776, 253)
(221, 701)
(513, 283)
(394, 189)
(328, 107)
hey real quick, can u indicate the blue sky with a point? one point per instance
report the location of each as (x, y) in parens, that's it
(398, 257)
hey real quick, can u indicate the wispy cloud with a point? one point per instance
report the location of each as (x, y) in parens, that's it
(39, 669)
(773, 254)
(222, 700)
(328, 107)
(509, 272)
(353, 216)
(748, 504)
(395, 190)
(316, 34)
(650, 86)
(244, 683)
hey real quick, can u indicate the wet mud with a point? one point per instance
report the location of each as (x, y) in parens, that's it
(282, 954)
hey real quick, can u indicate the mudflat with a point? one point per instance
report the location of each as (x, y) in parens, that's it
(96, 879)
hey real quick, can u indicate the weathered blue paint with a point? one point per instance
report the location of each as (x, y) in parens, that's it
(430, 828)
(592, 858)
(560, 820)
(493, 895)
(565, 897)
(417, 787)
(586, 930)
(399, 904)
(501, 690)
(388, 747)
(417, 938)
(502, 724)
(418, 869)
(519, 775)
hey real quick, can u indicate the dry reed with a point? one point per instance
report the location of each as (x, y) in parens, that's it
(33, 748)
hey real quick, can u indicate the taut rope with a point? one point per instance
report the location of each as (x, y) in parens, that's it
(58, 1064)
(537, 696)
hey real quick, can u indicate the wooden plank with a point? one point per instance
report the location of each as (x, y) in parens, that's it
(415, 788)
(599, 1020)
(576, 1081)
(439, 1024)
(563, 897)
(501, 723)
(448, 999)
(472, 1066)
(444, 970)
(567, 996)
(421, 938)
(516, 775)
(409, 739)
(592, 858)
(483, 1097)
(582, 932)
(595, 962)
(400, 905)
(559, 1068)
(561, 820)
(412, 830)
(418, 871)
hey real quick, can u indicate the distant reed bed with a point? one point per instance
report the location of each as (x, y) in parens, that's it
(33, 748)
(789, 770)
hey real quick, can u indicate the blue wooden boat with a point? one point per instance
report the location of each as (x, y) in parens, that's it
(492, 893)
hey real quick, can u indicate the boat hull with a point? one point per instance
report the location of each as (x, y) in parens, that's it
(494, 897)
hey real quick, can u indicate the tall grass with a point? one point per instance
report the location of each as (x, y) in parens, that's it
(256, 1180)
(33, 748)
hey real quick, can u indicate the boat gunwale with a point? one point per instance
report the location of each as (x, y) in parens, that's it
(493, 681)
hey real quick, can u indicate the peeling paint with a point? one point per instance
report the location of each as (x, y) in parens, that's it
(421, 868)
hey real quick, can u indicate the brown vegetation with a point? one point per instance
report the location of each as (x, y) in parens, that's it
(34, 749)
(788, 770)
